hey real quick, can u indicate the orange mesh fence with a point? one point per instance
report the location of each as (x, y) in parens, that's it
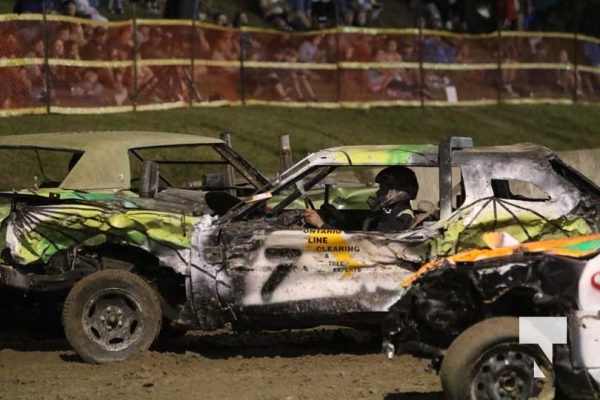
(63, 64)
(163, 67)
(90, 66)
(219, 52)
(290, 68)
(22, 83)
(537, 66)
(588, 67)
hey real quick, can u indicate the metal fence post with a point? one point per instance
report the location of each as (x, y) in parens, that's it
(47, 74)
(338, 76)
(242, 68)
(500, 83)
(286, 151)
(193, 59)
(229, 175)
(420, 47)
(135, 56)
(576, 68)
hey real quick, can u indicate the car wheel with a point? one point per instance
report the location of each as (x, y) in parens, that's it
(111, 315)
(487, 362)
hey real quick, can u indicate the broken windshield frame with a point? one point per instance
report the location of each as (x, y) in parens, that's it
(320, 172)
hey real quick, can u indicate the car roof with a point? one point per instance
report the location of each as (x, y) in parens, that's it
(105, 162)
(376, 155)
(423, 154)
(85, 141)
(519, 149)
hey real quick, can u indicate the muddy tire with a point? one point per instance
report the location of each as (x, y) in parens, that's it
(487, 362)
(111, 315)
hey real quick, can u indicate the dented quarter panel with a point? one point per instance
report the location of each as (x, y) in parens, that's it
(35, 233)
(547, 278)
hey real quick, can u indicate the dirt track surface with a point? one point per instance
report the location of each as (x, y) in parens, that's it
(295, 365)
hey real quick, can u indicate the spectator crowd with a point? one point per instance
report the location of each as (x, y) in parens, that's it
(395, 75)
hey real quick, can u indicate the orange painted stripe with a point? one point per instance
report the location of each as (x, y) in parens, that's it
(555, 246)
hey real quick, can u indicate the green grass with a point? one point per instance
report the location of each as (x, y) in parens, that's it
(256, 129)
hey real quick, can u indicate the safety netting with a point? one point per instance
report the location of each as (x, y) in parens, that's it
(51, 63)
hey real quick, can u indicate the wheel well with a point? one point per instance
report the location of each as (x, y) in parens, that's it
(169, 284)
(518, 302)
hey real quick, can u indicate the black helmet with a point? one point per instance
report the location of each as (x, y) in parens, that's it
(399, 178)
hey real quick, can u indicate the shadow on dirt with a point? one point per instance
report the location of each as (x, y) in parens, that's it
(33, 325)
(414, 396)
(291, 343)
(30, 323)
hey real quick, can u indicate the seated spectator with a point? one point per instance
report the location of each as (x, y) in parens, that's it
(115, 6)
(35, 6)
(144, 76)
(76, 34)
(541, 77)
(153, 47)
(508, 14)
(380, 78)
(224, 49)
(568, 78)
(72, 50)
(309, 52)
(122, 39)
(438, 49)
(19, 89)
(275, 12)
(240, 19)
(344, 11)
(299, 16)
(153, 6)
(591, 51)
(449, 14)
(369, 8)
(95, 48)
(62, 32)
(324, 14)
(120, 92)
(508, 55)
(267, 80)
(84, 8)
(58, 72)
(89, 87)
(360, 19)
(34, 71)
(221, 19)
(10, 45)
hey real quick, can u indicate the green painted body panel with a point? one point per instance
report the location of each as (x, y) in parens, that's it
(42, 231)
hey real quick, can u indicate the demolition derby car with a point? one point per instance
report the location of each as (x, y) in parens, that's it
(478, 296)
(251, 262)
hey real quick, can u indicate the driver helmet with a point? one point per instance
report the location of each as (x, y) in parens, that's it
(399, 178)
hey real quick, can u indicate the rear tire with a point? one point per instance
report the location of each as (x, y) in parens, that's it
(487, 362)
(111, 315)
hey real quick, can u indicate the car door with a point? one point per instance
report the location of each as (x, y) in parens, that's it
(322, 275)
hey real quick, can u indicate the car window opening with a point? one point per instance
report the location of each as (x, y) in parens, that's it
(514, 189)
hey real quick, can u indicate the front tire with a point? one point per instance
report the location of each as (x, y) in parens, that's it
(111, 315)
(486, 362)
